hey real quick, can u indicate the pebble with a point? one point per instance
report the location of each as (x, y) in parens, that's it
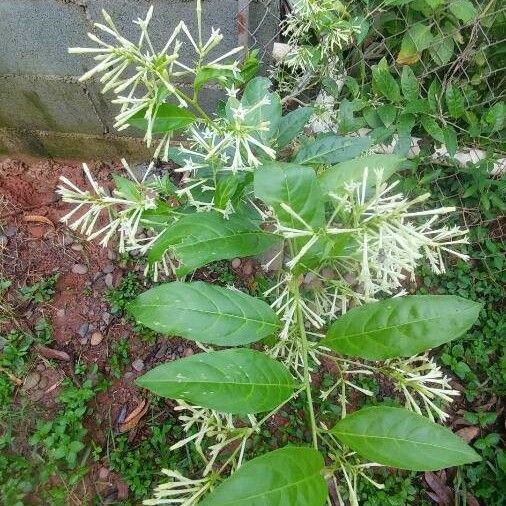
(31, 380)
(188, 352)
(96, 338)
(51, 353)
(83, 341)
(138, 364)
(84, 329)
(3, 241)
(111, 255)
(128, 375)
(106, 317)
(77, 247)
(11, 231)
(103, 473)
(108, 280)
(108, 268)
(41, 367)
(248, 268)
(236, 263)
(79, 269)
(43, 383)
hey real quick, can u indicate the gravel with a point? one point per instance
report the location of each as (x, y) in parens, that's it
(79, 269)
(138, 364)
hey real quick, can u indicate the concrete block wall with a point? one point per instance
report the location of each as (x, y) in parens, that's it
(45, 111)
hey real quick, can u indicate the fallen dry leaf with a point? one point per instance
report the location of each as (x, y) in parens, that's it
(134, 417)
(36, 218)
(468, 433)
(54, 354)
(442, 494)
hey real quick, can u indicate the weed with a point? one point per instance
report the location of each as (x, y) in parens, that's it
(41, 291)
(119, 357)
(129, 287)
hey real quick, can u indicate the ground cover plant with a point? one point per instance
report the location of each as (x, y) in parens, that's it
(374, 311)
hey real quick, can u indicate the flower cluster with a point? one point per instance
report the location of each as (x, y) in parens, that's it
(143, 78)
(123, 210)
(420, 380)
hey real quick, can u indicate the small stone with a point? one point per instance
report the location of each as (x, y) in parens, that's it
(79, 269)
(106, 317)
(188, 352)
(96, 338)
(31, 380)
(41, 367)
(83, 341)
(77, 247)
(128, 375)
(236, 263)
(138, 364)
(3, 241)
(248, 268)
(55, 354)
(108, 268)
(108, 280)
(84, 329)
(11, 231)
(43, 383)
(60, 313)
(103, 473)
(111, 255)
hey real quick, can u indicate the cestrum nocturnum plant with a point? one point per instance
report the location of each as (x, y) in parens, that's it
(344, 244)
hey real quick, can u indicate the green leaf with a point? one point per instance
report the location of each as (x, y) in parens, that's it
(414, 41)
(383, 82)
(434, 95)
(454, 101)
(402, 326)
(496, 116)
(387, 114)
(169, 117)
(442, 50)
(279, 183)
(208, 73)
(409, 84)
(419, 106)
(331, 148)
(450, 137)
(399, 438)
(295, 185)
(205, 313)
(286, 477)
(201, 238)
(238, 381)
(292, 125)
(463, 10)
(334, 178)
(432, 128)
(254, 92)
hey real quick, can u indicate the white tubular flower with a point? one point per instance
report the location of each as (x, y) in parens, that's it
(180, 490)
(421, 382)
(123, 210)
(393, 238)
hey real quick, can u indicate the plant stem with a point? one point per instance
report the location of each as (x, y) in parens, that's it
(307, 377)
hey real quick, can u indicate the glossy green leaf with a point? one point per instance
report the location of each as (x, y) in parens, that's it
(295, 185)
(286, 477)
(397, 437)
(201, 238)
(409, 84)
(169, 117)
(208, 73)
(238, 381)
(383, 83)
(334, 178)
(402, 326)
(331, 148)
(292, 125)
(205, 313)
(254, 92)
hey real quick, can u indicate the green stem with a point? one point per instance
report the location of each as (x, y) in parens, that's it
(307, 377)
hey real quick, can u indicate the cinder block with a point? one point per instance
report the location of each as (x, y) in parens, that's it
(36, 35)
(47, 104)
